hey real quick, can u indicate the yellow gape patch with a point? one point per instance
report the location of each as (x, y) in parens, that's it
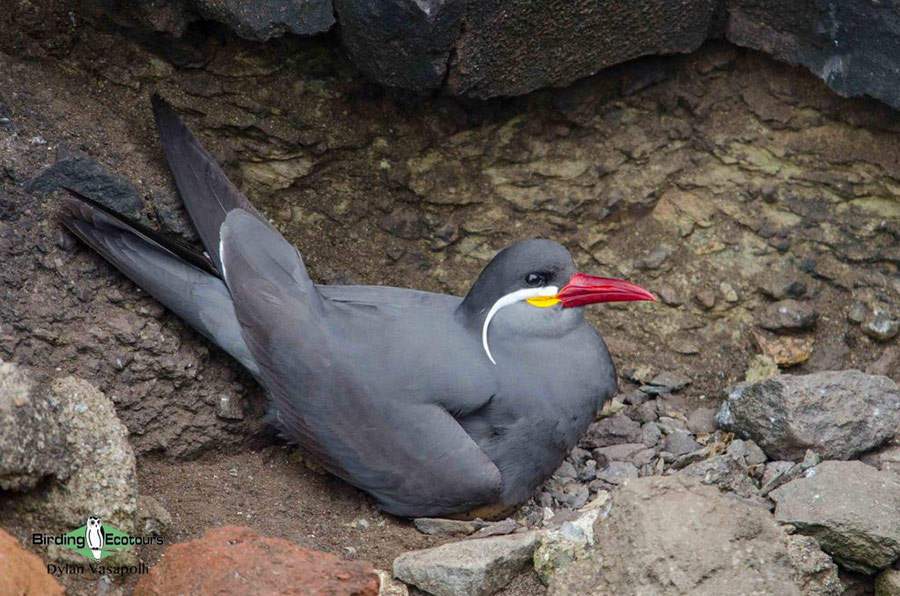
(543, 301)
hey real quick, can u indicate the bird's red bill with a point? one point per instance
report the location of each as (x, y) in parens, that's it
(587, 289)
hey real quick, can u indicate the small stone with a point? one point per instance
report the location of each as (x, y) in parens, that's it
(646, 412)
(446, 527)
(786, 351)
(702, 421)
(669, 425)
(725, 473)
(773, 473)
(788, 315)
(643, 457)
(229, 407)
(656, 258)
(728, 292)
(617, 472)
(761, 367)
(617, 452)
(857, 312)
(881, 326)
(152, 518)
(754, 455)
(670, 382)
(476, 567)
(670, 296)
(650, 434)
(388, 586)
(679, 443)
(565, 470)
(706, 299)
(498, 528)
(888, 364)
(611, 431)
(779, 287)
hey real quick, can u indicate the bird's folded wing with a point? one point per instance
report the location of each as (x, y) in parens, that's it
(412, 456)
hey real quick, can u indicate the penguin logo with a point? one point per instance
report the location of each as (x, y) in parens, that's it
(94, 534)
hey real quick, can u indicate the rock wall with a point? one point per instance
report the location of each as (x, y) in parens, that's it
(512, 47)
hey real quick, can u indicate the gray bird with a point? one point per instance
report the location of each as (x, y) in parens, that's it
(432, 404)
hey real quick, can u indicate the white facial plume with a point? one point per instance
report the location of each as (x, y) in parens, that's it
(504, 301)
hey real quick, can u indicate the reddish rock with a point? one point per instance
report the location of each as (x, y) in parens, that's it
(237, 560)
(23, 573)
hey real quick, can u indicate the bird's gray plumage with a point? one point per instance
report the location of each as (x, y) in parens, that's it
(387, 388)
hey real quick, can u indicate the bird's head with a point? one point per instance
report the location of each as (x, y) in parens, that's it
(535, 283)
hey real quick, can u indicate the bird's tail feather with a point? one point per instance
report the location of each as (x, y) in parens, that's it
(205, 190)
(180, 278)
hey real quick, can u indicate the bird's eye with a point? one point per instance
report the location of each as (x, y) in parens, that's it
(535, 279)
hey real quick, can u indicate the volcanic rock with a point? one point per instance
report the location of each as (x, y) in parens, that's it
(837, 414)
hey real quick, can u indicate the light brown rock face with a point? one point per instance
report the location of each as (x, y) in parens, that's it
(850, 508)
(672, 535)
(237, 560)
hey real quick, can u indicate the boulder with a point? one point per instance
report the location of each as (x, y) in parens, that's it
(850, 508)
(22, 572)
(471, 567)
(888, 583)
(486, 49)
(238, 560)
(31, 440)
(672, 535)
(837, 414)
(103, 481)
(259, 20)
(401, 43)
(850, 44)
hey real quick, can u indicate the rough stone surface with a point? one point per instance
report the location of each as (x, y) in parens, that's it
(485, 49)
(788, 315)
(888, 583)
(837, 414)
(259, 20)
(238, 560)
(718, 546)
(562, 546)
(850, 508)
(613, 430)
(264, 19)
(436, 526)
(22, 572)
(851, 44)
(81, 173)
(31, 441)
(103, 480)
(401, 43)
(471, 567)
(725, 472)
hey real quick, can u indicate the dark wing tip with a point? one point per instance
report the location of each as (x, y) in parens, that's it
(167, 119)
(159, 103)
